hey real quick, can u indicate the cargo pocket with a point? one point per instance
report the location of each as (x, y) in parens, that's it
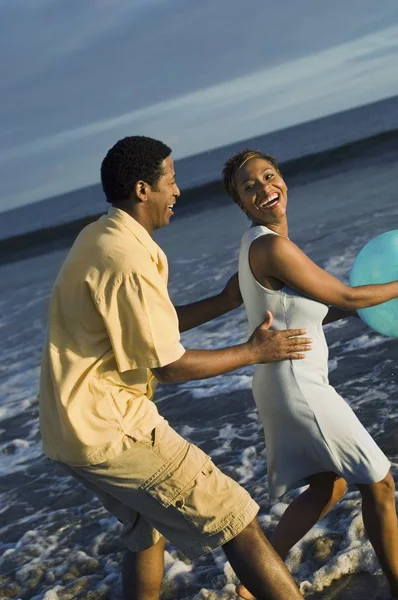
(171, 485)
(149, 440)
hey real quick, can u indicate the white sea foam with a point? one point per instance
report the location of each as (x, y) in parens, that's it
(364, 342)
(219, 385)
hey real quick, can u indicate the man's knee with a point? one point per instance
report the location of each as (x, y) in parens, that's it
(251, 532)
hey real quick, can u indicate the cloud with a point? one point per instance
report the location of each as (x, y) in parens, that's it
(295, 91)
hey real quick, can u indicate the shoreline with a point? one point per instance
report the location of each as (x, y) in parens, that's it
(58, 237)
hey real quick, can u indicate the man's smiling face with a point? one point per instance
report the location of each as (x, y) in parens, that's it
(163, 195)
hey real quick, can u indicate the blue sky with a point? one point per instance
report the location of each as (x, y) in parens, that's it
(76, 76)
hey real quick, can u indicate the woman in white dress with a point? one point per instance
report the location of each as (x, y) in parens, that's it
(312, 435)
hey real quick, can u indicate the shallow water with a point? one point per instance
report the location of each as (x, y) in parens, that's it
(56, 540)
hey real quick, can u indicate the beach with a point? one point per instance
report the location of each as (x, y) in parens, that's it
(56, 541)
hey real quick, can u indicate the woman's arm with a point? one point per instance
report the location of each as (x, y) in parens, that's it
(278, 257)
(202, 311)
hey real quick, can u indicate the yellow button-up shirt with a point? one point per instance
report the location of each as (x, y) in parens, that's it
(110, 321)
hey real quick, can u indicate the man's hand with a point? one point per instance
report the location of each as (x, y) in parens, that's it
(231, 293)
(272, 346)
(263, 346)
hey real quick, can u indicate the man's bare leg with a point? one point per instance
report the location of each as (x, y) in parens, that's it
(324, 491)
(142, 573)
(259, 567)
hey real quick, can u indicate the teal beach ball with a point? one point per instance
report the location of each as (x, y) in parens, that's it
(377, 262)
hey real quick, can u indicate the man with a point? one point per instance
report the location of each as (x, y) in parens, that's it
(112, 330)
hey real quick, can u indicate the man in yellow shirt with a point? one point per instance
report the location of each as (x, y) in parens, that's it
(112, 332)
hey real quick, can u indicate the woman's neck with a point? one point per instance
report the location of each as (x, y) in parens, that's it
(279, 228)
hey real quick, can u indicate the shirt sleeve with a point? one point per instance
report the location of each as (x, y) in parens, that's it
(141, 322)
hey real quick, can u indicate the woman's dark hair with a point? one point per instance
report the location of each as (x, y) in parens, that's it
(236, 162)
(130, 160)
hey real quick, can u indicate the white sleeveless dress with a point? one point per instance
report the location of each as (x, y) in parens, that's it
(308, 427)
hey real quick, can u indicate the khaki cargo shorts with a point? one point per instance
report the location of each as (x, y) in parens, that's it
(165, 486)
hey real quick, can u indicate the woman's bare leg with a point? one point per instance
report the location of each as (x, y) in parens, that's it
(324, 491)
(380, 521)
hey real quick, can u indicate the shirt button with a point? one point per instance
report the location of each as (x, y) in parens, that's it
(179, 504)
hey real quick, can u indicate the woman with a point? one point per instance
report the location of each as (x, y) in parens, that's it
(312, 435)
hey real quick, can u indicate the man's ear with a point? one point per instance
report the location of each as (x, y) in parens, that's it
(141, 190)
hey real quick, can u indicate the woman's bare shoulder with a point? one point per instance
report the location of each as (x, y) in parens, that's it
(270, 242)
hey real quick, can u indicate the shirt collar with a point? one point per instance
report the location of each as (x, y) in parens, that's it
(137, 230)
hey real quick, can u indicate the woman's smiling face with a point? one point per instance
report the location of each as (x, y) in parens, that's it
(262, 191)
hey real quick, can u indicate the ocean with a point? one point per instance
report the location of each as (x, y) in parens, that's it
(309, 141)
(56, 541)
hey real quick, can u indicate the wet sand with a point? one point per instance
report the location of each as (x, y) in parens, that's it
(360, 586)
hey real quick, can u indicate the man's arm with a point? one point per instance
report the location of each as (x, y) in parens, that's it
(202, 311)
(335, 314)
(263, 346)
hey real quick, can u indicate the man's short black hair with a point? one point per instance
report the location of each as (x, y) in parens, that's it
(130, 160)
